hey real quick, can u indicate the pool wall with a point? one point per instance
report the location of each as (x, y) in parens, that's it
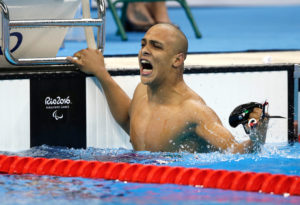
(60, 106)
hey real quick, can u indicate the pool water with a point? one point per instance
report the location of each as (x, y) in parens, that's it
(33, 189)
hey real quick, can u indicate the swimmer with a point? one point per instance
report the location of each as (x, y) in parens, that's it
(164, 113)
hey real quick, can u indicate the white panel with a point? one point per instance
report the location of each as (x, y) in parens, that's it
(224, 91)
(221, 91)
(128, 83)
(15, 115)
(102, 129)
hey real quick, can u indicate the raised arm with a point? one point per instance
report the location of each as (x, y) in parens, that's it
(210, 128)
(91, 61)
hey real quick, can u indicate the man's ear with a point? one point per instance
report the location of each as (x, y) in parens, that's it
(178, 60)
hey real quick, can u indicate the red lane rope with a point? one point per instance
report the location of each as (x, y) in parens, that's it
(208, 178)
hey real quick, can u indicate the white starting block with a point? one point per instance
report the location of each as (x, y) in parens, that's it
(32, 31)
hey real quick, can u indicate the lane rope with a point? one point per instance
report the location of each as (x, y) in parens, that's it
(206, 178)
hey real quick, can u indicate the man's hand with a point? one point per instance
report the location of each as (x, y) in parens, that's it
(258, 131)
(90, 61)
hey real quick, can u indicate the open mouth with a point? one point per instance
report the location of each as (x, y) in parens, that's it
(146, 67)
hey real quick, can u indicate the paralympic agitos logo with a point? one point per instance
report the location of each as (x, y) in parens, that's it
(19, 37)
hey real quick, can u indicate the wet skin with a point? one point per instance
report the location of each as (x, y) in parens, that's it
(164, 113)
(165, 127)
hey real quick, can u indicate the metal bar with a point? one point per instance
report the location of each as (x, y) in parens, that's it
(5, 31)
(101, 8)
(7, 24)
(56, 23)
(43, 61)
(296, 102)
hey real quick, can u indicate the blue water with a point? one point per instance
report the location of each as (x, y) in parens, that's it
(32, 189)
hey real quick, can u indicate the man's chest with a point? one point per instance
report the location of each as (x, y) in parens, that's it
(155, 127)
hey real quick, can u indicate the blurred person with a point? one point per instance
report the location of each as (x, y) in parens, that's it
(140, 16)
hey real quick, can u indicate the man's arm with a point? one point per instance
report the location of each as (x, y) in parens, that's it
(210, 128)
(91, 61)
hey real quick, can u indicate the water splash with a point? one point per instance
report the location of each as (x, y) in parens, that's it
(273, 158)
(32, 189)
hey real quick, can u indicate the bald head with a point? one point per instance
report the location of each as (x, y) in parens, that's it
(180, 41)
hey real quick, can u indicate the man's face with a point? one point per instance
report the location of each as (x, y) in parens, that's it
(156, 55)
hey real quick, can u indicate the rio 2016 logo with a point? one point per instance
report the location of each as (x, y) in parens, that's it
(58, 101)
(58, 104)
(19, 37)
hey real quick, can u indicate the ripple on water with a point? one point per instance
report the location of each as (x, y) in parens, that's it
(274, 158)
(32, 189)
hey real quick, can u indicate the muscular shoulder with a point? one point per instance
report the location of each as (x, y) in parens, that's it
(192, 100)
(199, 111)
(139, 92)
